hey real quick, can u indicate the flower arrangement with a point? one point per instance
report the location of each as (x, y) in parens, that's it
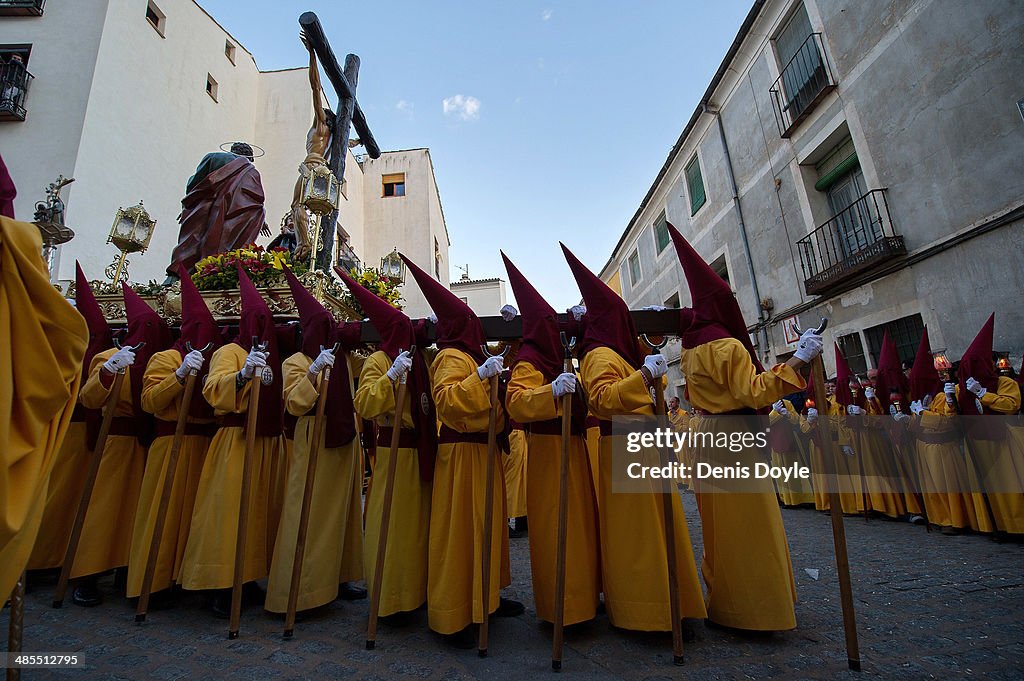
(265, 268)
(377, 283)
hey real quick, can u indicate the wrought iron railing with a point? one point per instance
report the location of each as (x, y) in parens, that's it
(853, 241)
(22, 7)
(347, 258)
(14, 83)
(804, 81)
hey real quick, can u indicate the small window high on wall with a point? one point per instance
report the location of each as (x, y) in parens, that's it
(393, 185)
(156, 18)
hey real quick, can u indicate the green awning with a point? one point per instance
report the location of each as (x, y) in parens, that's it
(841, 169)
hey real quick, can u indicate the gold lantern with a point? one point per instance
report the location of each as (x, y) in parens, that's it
(1003, 363)
(320, 190)
(942, 364)
(131, 233)
(393, 267)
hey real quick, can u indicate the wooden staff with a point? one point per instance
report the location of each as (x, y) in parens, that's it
(563, 513)
(265, 377)
(492, 451)
(109, 407)
(307, 497)
(165, 494)
(385, 518)
(16, 628)
(670, 529)
(835, 510)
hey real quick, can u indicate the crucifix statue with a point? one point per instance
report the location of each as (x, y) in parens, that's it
(347, 115)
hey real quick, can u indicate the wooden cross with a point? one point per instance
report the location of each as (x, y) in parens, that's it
(348, 114)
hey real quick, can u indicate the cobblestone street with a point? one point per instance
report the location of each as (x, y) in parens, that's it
(928, 606)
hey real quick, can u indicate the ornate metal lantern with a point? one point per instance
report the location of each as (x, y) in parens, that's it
(1003, 363)
(393, 267)
(131, 233)
(320, 190)
(942, 364)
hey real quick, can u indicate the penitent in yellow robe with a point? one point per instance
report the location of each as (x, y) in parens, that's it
(107, 532)
(594, 455)
(404, 580)
(67, 482)
(634, 558)
(455, 572)
(334, 541)
(209, 561)
(1001, 462)
(161, 396)
(880, 471)
(42, 343)
(746, 565)
(529, 400)
(515, 473)
(796, 491)
(845, 478)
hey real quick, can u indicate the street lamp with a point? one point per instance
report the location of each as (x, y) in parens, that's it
(393, 267)
(130, 233)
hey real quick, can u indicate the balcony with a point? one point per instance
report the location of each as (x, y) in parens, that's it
(21, 8)
(14, 83)
(347, 258)
(804, 82)
(855, 241)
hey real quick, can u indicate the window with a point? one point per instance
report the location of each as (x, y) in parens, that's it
(673, 301)
(905, 332)
(394, 185)
(634, 268)
(721, 268)
(211, 87)
(14, 81)
(437, 258)
(229, 51)
(661, 235)
(695, 185)
(156, 18)
(853, 351)
(465, 300)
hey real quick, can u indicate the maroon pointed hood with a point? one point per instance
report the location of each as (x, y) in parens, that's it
(100, 337)
(924, 377)
(890, 373)
(977, 363)
(716, 314)
(318, 327)
(7, 191)
(144, 326)
(457, 325)
(608, 322)
(542, 345)
(198, 327)
(257, 321)
(843, 379)
(394, 326)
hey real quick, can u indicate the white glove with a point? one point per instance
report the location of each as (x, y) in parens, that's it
(975, 387)
(432, 318)
(401, 366)
(950, 390)
(854, 410)
(780, 407)
(847, 450)
(255, 360)
(892, 410)
(492, 366)
(812, 415)
(577, 312)
(120, 360)
(654, 308)
(869, 393)
(323, 360)
(564, 384)
(508, 313)
(193, 361)
(657, 365)
(901, 417)
(916, 407)
(809, 347)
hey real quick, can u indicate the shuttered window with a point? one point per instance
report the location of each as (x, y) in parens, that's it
(661, 236)
(695, 185)
(394, 184)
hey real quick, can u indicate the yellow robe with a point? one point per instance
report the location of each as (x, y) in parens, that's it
(530, 399)
(746, 565)
(42, 343)
(455, 573)
(1001, 462)
(67, 483)
(847, 479)
(514, 466)
(107, 532)
(161, 396)
(209, 561)
(881, 475)
(634, 558)
(797, 490)
(594, 454)
(404, 580)
(334, 541)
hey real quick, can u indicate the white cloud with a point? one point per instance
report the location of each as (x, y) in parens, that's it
(406, 107)
(546, 14)
(465, 107)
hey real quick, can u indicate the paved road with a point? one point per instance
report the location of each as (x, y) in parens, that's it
(928, 606)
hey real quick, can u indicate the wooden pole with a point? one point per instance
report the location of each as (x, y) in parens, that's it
(492, 452)
(563, 515)
(16, 627)
(385, 518)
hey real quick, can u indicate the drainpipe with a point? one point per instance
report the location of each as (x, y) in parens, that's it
(743, 227)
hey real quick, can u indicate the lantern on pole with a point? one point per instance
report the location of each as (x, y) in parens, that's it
(942, 364)
(131, 233)
(320, 189)
(393, 267)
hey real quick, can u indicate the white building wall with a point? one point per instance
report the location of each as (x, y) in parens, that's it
(484, 296)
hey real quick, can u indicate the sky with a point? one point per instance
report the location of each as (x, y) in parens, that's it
(546, 120)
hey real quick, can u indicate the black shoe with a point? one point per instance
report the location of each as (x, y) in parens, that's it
(252, 594)
(347, 591)
(517, 529)
(463, 640)
(220, 604)
(87, 594)
(509, 608)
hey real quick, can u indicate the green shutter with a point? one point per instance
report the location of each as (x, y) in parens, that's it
(695, 185)
(661, 236)
(841, 169)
